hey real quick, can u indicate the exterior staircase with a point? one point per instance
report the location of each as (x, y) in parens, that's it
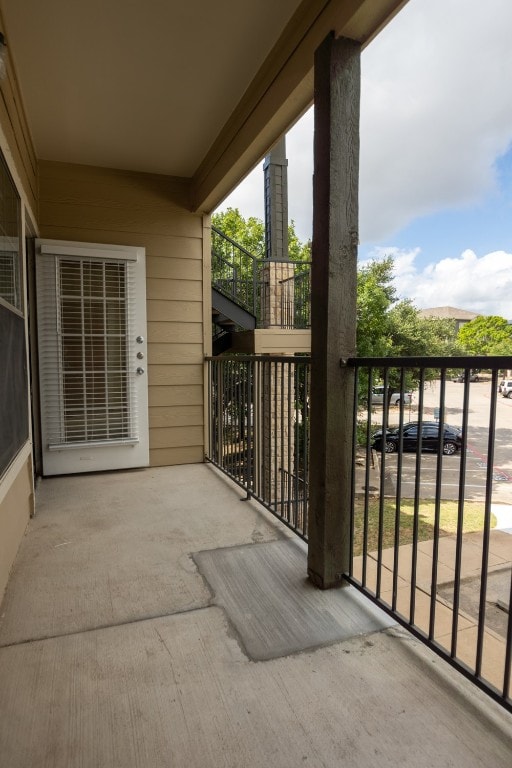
(253, 298)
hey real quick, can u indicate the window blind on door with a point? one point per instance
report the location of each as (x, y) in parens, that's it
(85, 322)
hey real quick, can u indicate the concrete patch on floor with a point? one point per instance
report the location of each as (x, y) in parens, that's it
(274, 607)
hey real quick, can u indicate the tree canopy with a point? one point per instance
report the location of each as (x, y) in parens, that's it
(486, 335)
(250, 233)
(389, 326)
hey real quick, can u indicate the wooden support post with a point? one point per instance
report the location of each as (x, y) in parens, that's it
(333, 306)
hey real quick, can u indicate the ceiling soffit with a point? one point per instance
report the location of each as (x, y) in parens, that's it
(195, 90)
(282, 90)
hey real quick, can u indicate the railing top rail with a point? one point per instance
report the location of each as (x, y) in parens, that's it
(468, 361)
(492, 363)
(237, 245)
(260, 358)
(299, 275)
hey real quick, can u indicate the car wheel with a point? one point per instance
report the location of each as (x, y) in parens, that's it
(398, 402)
(449, 448)
(509, 394)
(389, 446)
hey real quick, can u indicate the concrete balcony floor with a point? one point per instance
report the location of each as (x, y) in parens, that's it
(154, 619)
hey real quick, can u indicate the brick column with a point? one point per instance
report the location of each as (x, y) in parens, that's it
(276, 294)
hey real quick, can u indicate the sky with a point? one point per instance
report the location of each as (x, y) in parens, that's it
(436, 156)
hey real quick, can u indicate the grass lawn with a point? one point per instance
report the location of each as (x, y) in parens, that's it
(473, 521)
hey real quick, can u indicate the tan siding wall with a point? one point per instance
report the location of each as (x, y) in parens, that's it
(16, 490)
(15, 510)
(272, 341)
(16, 141)
(108, 206)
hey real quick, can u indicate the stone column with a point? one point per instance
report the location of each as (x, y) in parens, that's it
(278, 294)
(276, 202)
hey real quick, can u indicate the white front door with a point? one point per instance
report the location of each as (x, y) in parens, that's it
(91, 317)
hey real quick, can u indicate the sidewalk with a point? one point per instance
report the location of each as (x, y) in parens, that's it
(497, 594)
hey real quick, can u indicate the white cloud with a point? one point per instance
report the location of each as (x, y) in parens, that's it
(248, 197)
(478, 284)
(436, 112)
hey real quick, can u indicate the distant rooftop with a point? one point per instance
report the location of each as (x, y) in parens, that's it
(451, 313)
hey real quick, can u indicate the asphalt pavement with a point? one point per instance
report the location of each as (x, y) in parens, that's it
(480, 446)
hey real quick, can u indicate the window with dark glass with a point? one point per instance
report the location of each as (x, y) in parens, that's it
(10, 240)
(14, 413)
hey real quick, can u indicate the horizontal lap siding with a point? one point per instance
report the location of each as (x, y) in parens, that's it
(106, 206)
(169, 332)
(16, 487)
(16, 144)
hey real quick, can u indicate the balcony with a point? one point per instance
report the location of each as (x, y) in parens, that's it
(423, 540)
(154, 618)
(160, 617)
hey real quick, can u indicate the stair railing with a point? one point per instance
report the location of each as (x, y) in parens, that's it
(236, 273)
(240, 276)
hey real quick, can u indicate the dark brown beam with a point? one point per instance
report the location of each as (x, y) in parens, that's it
(333, 305)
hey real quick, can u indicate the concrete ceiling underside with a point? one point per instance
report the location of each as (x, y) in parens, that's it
(191, 89)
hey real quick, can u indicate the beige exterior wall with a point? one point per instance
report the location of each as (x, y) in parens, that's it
(16, 506)
(119, 207)
(16, 144)
(99, 205)
(273, 341)
(16, 485)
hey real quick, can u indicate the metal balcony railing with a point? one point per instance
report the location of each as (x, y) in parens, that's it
(296, 298)
(244, 278)
(425, 545)
(259, 430)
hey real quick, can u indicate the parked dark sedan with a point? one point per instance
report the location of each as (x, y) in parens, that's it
(452, 441)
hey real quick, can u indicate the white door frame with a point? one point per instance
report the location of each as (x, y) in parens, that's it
(61, 454)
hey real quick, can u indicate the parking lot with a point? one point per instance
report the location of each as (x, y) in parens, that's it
(478, 448)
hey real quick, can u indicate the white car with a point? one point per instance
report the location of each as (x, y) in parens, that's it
(506, 388)
(396, 398)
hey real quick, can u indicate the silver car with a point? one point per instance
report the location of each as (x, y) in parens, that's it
(396, 398)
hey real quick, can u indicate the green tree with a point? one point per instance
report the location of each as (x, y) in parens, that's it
(486, 335)
(375, 296)
(388, 327)
(250, 233)
(297, 251)
(413, 335)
